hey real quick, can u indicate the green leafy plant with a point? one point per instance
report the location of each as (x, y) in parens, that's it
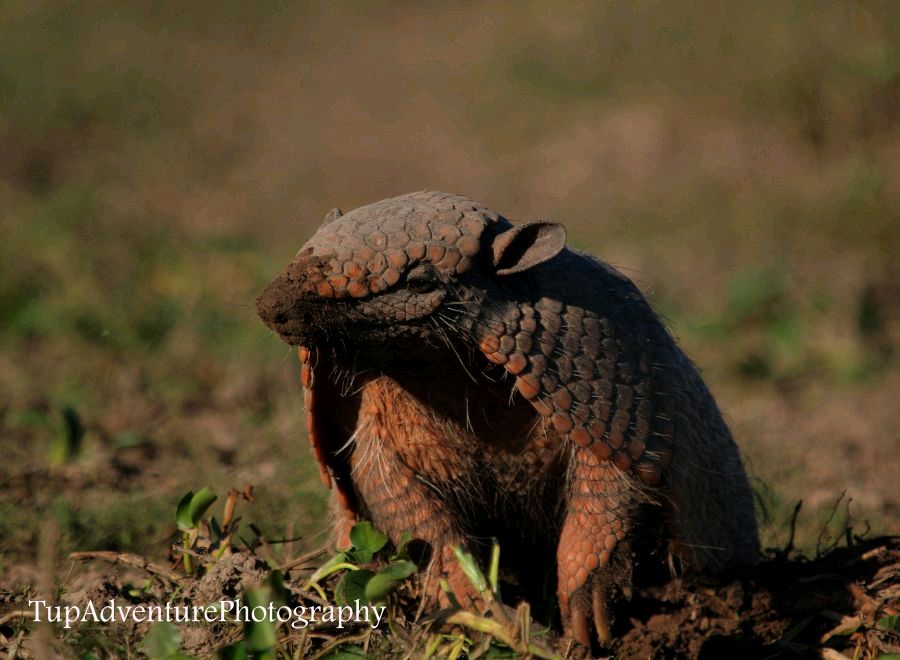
(188, 515)
(163, 642)
(362, 584)
(66, 443)
(260, 636)
(891, 623)
(215, 536)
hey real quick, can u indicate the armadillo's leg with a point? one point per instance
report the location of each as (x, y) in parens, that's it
(319, 399)
(399, 502)
(594, 536)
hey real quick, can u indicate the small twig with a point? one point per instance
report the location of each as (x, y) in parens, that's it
(411, 649)
(230, 503)
(825, 535)
(874, 552)
(16, 614)
(302, 559)
(496, 629)
(338, 642)
(792, 530)
(270, 557)
(14, 647)
(205, 556)
(128, 559)
(368, 639)
(424, 599)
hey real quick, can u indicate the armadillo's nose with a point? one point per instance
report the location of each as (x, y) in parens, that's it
(274, 306)
(288, 304)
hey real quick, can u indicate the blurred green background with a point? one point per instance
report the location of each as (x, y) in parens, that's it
(160, 161)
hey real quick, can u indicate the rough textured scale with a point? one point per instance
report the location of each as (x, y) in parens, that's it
(467, 378)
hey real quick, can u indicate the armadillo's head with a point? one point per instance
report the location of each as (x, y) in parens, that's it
(401, 273)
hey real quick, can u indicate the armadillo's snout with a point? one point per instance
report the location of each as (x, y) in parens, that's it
(288, 304)
(288, 310)
(274, 307)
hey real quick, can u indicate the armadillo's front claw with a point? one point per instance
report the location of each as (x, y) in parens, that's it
(593, 565)
(602, 618)
(579, 625)
(589, 615)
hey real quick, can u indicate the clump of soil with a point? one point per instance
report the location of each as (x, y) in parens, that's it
(787, 607)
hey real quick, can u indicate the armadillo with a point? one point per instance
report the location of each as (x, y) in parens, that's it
(466, 378)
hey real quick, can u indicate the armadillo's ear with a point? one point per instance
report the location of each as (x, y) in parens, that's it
(332, 215)
(527, 245)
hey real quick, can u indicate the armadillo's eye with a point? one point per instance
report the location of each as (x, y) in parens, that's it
(421, 280)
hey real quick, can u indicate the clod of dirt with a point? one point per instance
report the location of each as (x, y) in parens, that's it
(783, 608)
(229, 577)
